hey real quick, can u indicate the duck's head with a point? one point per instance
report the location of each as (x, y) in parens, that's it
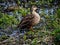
(34, 7)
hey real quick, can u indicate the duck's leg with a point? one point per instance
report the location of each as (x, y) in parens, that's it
(31, 28)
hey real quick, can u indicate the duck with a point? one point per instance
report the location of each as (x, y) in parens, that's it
(30, 20)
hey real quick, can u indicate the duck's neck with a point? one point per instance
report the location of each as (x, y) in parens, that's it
(35, 13)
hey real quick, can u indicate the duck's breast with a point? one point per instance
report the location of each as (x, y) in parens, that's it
(36, 18)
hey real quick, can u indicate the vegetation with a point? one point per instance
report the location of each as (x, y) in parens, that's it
(48, 31)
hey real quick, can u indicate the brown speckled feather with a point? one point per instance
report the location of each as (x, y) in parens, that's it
(26, 22)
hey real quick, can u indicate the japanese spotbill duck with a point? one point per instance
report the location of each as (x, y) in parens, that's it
(30, 20)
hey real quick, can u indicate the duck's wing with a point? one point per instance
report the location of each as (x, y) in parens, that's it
(26, 22)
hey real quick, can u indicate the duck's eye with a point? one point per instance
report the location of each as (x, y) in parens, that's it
(37, 10)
